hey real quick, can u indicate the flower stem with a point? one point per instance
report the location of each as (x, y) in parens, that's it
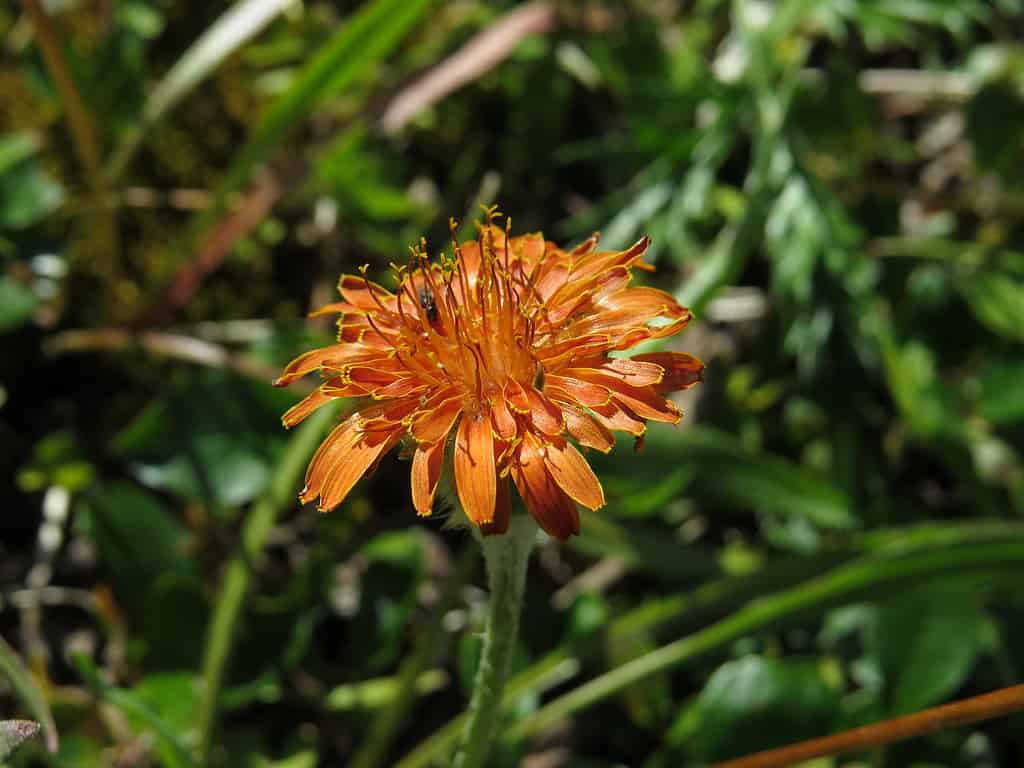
(506, 556)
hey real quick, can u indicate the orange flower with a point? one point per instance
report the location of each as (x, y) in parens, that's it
(504, 345)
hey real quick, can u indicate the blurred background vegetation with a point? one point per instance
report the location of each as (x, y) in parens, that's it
(832, 537)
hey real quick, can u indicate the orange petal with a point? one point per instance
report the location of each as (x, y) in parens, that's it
(528, 248)
(400, 388)
(338, 307)
(553, 510)
(553, 278)
(585, 430)
(361, 333)
(387, 417)
(573, 348)
(635, 372)
(681, 370)
(648, 404)
(334, 356)
(645, 402)
(475, 474)
(335, 388)
(331, 450)
(664, 331)
(573, 474)
(517, 397)
(545, 415)
(469, 262)
(502, 511)
(585, 393)
(435, 420)
(644, 302)
(598, 262)
(576, 292)
(426, 471)
(371, 378)
(504, 422)
(365, 295)
(615, 416)
(350, 467)
(587, 246)
(304, 407)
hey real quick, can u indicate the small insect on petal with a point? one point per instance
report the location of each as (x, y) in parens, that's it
(511, 342)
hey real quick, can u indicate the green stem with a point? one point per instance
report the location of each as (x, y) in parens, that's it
(506, 556)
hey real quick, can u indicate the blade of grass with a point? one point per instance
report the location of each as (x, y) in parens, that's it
(853, 581)
(84, 139)
(28, 692)
(83, 131)
(352, 52)
(233, 29)
(238, 574)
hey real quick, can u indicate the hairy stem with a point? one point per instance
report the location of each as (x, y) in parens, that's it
(506, 556)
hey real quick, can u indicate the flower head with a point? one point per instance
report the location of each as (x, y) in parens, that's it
(503, 350)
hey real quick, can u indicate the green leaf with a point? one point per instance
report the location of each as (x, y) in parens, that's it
(722, 469)
(172, 696)
(137, 540)
(997, 300)
(994, 116)
(1001, 397)
(913, 378)
(27, 193)
(16, 148)
(17, 303)
(305, 759)
(353, 52)
(926, 659)
(26, 197)
(757, 703)
(212, 437)
(377, 693)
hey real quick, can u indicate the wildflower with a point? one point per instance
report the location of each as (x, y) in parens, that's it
(503, 350)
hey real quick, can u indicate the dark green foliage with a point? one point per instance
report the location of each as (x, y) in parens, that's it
(829, 539)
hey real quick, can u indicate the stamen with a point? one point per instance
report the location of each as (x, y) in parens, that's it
(369, 288)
